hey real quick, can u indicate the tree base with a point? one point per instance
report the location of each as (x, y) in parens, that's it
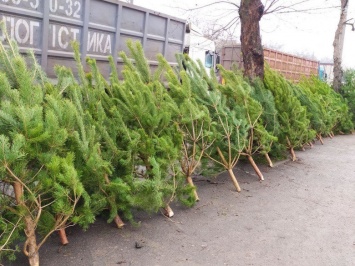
(293, 155)
(168, 212)
(63, 237)
(118, 221)
(234, 180)
(319, 137)
(190, 182)
(256, 168)
(269, 161)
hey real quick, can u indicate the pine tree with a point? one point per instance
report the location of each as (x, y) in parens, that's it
(239, 93)
(193, 120)
(335, 111)
(97, 152)
(269, 117)
(315, 108)
(228, 125)
(149, 111)
(43, 187)
(295, 128)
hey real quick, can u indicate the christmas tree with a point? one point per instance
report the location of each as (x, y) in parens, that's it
(150, 112)
(239, 93)
(193, 120)
(295, 128)
(42, 188)
(229, 125)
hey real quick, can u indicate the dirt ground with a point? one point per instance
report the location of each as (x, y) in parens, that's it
(302, 214)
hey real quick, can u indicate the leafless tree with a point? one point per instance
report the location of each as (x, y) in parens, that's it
(339, 44)
(248, 14)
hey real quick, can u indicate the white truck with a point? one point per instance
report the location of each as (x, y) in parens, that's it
(198, 47)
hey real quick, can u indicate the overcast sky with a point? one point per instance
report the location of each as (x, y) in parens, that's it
(310, 33)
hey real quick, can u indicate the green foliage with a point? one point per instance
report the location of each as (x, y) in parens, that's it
(348, 91)
(229, 126)
(193, 121)
(83, 146)
(315, 110)
(34, 155)
(295, 128)
(334, 109)
(148, 110)
(239, 92)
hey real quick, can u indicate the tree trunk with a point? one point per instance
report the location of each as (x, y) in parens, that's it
(30, 248)
(338, 46)
(319, 136)
(293, 154)
(250, 13)
(118, 221)
(256, 168)
(168, 212)
(63, 237)
(189, 181)
(269, 160)
(234, 180)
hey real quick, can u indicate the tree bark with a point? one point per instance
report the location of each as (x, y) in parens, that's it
(234, 180)
(118, 221)
(293, 154)
(189, 181)
(269, 160)
(250, 13)
(338, 46)
(256, 168)
(168, 212)
(30, 248)
(63, 237)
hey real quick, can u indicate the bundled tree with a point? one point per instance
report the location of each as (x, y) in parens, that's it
(239, 93)
(40, 185)
(294, 124)
(229, 126)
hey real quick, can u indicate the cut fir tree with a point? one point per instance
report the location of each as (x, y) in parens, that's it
(43, 186)
(229, 127)
(149, 111)
(193, 120)
(238, 93)
(295, 128)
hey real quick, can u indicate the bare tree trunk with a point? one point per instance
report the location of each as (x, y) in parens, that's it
(63, 237)
(338, 46)
(189, 181)
(269, 160)
(256, 168)
(168, 212)
(30, 248)
(250, 13)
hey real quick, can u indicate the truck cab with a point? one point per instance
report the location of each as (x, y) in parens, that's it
(198, 47)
